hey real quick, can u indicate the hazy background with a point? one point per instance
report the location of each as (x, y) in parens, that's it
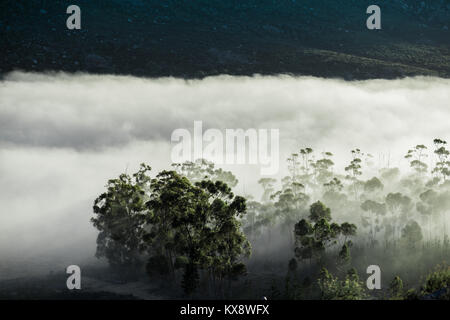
(63, 136)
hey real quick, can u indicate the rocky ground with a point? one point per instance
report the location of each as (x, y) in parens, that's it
(194, 39)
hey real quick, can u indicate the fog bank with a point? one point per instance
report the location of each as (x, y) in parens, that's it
(62, 136)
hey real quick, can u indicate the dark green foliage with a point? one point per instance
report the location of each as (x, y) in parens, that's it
(396, 287)
(319, 211)
(411, 294)
(344, 254)
(199, 223)
(349, 288)
(120, 218)
(202, 169)
(179, 225)
(312, 239)
(437, 284)
(195, 232)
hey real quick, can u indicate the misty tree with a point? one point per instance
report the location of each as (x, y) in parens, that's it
(354, 171)
(368, 160)
(412, 235)
(259, 220)
(441, 206)
(389, 174)
(334, 185)
(399, 207)
(323, 168)
(307, 159)
(401, 204)
(371, 218)
(179, 226)
(416, 157)
(313, 237)
(120, 216)
(289, 205)
(426, 207)
(191, 229)
(373, 185)
(293, 167)
(442, 168)
(202, 169)
(268, 188)
(197, 228)
(333, 192)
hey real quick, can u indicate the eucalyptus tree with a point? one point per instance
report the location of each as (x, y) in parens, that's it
(442, 208)
(354, 171)
(442, 168)
(334, 185)
(333, 193)
(315, 235)
(372, 218)
(373, 185)
(268, 188)
(323, 168)
(294, 180)
(346, 230)
(307, 160)
(259, 219)
(290, 204)
(224, 244)
(412, 235)
(249, 222)
(179, 226)
(294, 166)
(333, 288)
(202, 169)
(389, 175)
(417, 156)
(198, 227)
(426, 207)
(399, 207)
(120, 216)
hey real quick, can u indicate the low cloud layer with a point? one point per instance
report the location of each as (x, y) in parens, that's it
(85, 112)
(62, 136)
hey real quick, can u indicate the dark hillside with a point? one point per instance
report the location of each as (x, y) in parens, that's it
(183, 38)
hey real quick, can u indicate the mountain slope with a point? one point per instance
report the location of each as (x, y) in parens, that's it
(188, 39)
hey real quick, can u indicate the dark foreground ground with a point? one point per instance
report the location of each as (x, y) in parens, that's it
(101, 284)
(96, 284)
(194, 39)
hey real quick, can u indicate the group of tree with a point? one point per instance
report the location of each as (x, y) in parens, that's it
(392, 210)
(175, 227)
(187, 224)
